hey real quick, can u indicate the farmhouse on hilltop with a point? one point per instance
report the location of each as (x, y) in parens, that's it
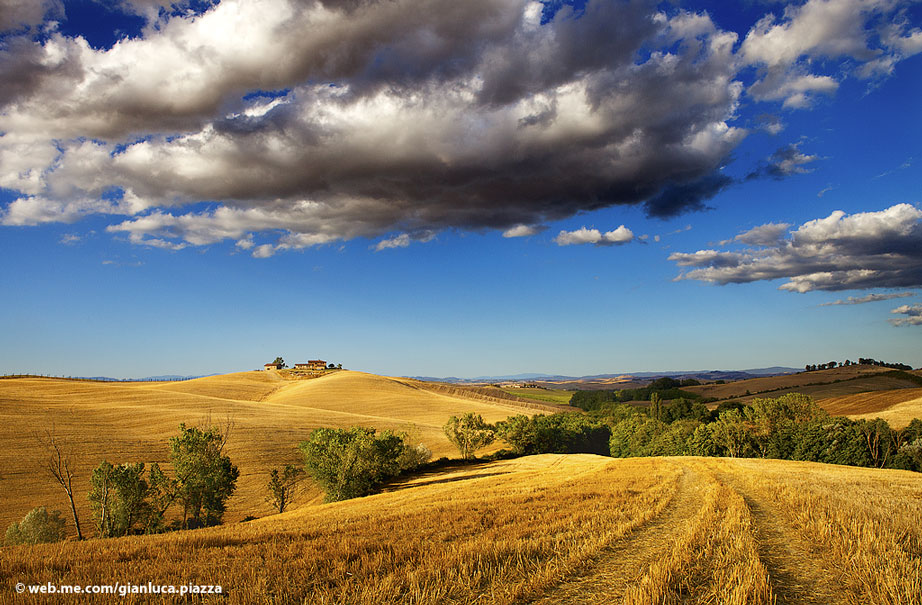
(313, 364)
(273, 366)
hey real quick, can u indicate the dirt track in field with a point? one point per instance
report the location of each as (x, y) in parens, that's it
(799, 572)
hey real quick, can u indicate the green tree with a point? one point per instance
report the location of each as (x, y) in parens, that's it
(878, 438)
(37, 527)
(283, 485)
(557, 433)
(280, 362)
(730, 432)
(205, 477)
(674, 439)
(353, 462)
(913, 451)
(656, 406)
(119, 499)
(469, 433)
(772, 422)
(703, 442)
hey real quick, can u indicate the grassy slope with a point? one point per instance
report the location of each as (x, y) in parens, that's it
(546, 395)
(132, 422)
(517, 530)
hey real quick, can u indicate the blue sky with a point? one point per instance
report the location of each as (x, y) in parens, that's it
(442, 189)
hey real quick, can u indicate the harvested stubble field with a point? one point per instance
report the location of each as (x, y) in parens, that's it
(897, 407)
(800, 382)
(547, 529)
(132, 422)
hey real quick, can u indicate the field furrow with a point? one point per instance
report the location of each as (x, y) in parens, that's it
(796, 574)
(608, 576)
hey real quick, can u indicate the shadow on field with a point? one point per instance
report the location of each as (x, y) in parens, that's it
(445, 480)
(437, 470)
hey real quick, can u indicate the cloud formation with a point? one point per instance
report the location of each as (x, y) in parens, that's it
(784, 162)
(621, 235)
(873, 34)
(860, 300)
(913, 315)
(523, 230)
(317, 121)
(840, 252)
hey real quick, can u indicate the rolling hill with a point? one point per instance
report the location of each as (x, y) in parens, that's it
(132, 422)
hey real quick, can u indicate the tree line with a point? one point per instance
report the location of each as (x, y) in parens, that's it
(865, 361)
(665, 388)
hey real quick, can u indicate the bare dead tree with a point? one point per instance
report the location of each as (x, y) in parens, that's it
(59, 464)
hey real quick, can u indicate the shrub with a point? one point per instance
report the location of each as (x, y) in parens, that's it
(37, 527)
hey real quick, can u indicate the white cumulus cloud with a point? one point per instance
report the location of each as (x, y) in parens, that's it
(583, 235)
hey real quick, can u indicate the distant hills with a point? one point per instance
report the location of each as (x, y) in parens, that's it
(697, 374)
(163, 378)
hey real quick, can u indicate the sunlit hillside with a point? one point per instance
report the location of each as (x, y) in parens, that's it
(132, 422)
(545, 529)
(898, 407)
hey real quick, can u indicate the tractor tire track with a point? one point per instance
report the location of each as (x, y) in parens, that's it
(606, 578)
(796, 573)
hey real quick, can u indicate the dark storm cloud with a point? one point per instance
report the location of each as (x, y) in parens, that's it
(676, 199)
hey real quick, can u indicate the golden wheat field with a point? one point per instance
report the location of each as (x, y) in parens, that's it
(132, 422)
(545, 529)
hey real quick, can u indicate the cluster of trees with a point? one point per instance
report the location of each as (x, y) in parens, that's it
(568, 433)
(665, 388)
(125, 500)
(790, 427)
(867, 361)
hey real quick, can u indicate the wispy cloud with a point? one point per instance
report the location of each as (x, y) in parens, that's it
(860, 300)
(913, 315)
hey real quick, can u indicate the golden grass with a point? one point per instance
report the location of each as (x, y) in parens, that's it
(496, 533)
(132, 422)
(863, 522)
(715, 560)
(514, 531)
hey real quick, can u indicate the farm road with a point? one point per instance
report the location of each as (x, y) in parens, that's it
(795, 573)
(605, 579)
